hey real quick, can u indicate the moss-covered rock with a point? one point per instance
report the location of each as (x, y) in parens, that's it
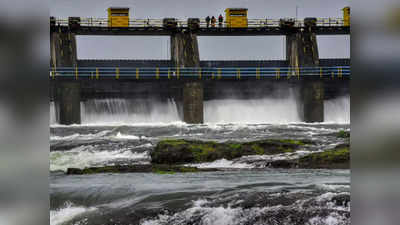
(156, 168)
(338, 158)
(178, 151)
(112, 169)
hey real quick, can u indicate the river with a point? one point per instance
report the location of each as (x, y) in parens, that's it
(246, 192)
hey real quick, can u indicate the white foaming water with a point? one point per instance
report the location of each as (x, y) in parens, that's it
(124, 111)
(222, 163)
(80, 136)
(125, 136)
(251, 111)
(66, 213)
(251, 161)
(53, 117)
(243, 111)
(236, 216)
(86, 156)
(337, 110)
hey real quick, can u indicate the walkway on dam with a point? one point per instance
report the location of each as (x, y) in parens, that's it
(99, 26)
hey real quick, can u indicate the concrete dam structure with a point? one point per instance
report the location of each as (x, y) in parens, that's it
(190, 81)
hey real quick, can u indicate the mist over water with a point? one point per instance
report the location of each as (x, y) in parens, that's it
(250, 111)
(337, 110)
(265, 110)
(53, 119)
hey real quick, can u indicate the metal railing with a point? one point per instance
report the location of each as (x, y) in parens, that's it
(157, 23)
(198, 72)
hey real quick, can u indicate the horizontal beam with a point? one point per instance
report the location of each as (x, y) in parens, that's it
(198, 73)
(324, 62)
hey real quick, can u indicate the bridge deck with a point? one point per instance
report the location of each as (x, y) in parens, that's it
(94, 26)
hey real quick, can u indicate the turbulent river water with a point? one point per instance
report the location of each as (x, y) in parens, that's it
(246, 192)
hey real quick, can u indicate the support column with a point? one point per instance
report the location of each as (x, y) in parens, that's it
(185, 53)
(312, 94)
(302, 51)
(69, 102)
(63, 54)
(63, 49)
(193, 102)
(185, 50)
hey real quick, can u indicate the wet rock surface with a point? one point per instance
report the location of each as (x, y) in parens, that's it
(175, 151)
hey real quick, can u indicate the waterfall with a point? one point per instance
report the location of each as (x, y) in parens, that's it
(337, 110)
(52, 115)
(264, 110)
(230, 110)
(128, 111)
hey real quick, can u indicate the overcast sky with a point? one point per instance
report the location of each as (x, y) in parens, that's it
(157, 47)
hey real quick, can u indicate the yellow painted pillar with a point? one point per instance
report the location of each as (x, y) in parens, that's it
(117, 73)
(157, 73)
(199, 73)
(258, 73)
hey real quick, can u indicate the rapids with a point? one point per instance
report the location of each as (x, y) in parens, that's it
(245, 193)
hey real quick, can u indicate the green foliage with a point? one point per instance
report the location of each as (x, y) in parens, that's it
(257, 149)
(343, 134)
(291, 141)
(162, 172)
(188, 151)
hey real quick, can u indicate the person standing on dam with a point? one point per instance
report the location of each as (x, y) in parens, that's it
(213, 21)
(208, 21)
(220, 20)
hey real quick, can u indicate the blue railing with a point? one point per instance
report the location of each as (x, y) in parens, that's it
(198, 72)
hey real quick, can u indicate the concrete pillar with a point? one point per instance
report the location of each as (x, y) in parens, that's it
(185, 50)
(302, 51)
(69, 102)
(312, 94)
(62, 49)
(185, 53)
(193, 102)
(63, 54)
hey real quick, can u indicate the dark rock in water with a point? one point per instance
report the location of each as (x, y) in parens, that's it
(155, 168)
(112, 169)
(282, 164)
(190, 151)
(341, 200)
(74, 171)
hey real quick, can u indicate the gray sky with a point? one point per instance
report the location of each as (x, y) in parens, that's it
(240, 48)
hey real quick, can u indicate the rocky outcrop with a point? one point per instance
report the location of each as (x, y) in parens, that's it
(178, 151)
(338, 158)
(155, 168)
(169, 155)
